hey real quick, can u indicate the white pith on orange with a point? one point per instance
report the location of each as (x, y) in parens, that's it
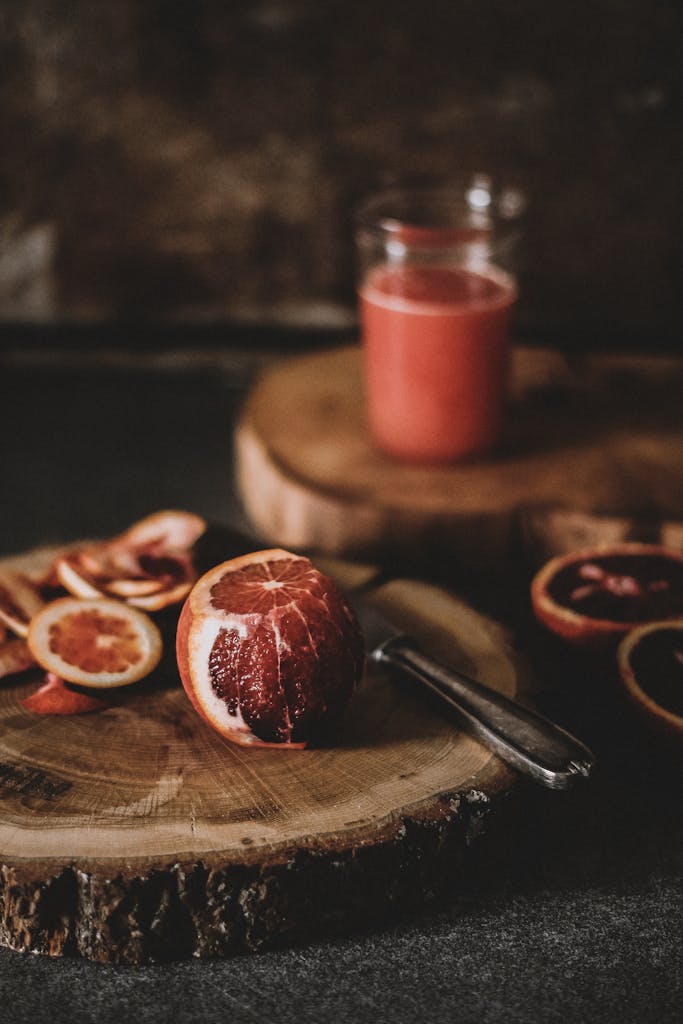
(71, 635)
(197, 628)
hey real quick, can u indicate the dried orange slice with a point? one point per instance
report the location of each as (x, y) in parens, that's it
(161, 532)
(595, 596)
(149, 565)
(651, 667)
(268, 650)
(96, 642)
(19, 601)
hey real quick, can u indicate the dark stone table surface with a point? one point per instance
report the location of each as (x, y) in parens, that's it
(574, 914)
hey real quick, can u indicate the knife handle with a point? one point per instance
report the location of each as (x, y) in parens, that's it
(526, 740)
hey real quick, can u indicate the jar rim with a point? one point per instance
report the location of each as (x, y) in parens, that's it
(437, 208)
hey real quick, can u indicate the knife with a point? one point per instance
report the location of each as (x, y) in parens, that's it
(529, 742)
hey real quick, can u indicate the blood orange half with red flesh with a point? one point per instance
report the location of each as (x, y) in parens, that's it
(268, 650)
(596, 595)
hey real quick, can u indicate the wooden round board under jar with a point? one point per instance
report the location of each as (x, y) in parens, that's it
(592, 443)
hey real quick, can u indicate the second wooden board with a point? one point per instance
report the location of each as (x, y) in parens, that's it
(602, 435)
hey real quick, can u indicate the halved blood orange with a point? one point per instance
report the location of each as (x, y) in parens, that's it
(149, 565)
(95, 642)
(19, 601)
(594, 596)
(268, 650)
(650, 662)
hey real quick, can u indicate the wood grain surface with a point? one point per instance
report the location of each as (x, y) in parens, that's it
(137, 833)
(599, 438)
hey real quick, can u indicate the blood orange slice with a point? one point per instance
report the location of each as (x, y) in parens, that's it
(162, 532)
(651, 667)
(94, 642)
(268, 650)
(149, 565)
(596, 595)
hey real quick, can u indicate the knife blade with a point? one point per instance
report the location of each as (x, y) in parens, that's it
(523, 738)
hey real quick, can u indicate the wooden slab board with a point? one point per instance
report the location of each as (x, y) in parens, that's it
(137, 833)
(597, 438)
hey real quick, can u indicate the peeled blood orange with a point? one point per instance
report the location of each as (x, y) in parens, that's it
(268, 650)
(95, 642)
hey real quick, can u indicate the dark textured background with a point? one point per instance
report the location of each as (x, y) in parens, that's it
(175, 170)
(196, 162)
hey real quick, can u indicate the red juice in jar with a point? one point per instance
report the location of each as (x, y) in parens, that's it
(436, 355)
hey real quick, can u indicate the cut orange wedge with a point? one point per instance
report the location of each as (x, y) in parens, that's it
(95, 642)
